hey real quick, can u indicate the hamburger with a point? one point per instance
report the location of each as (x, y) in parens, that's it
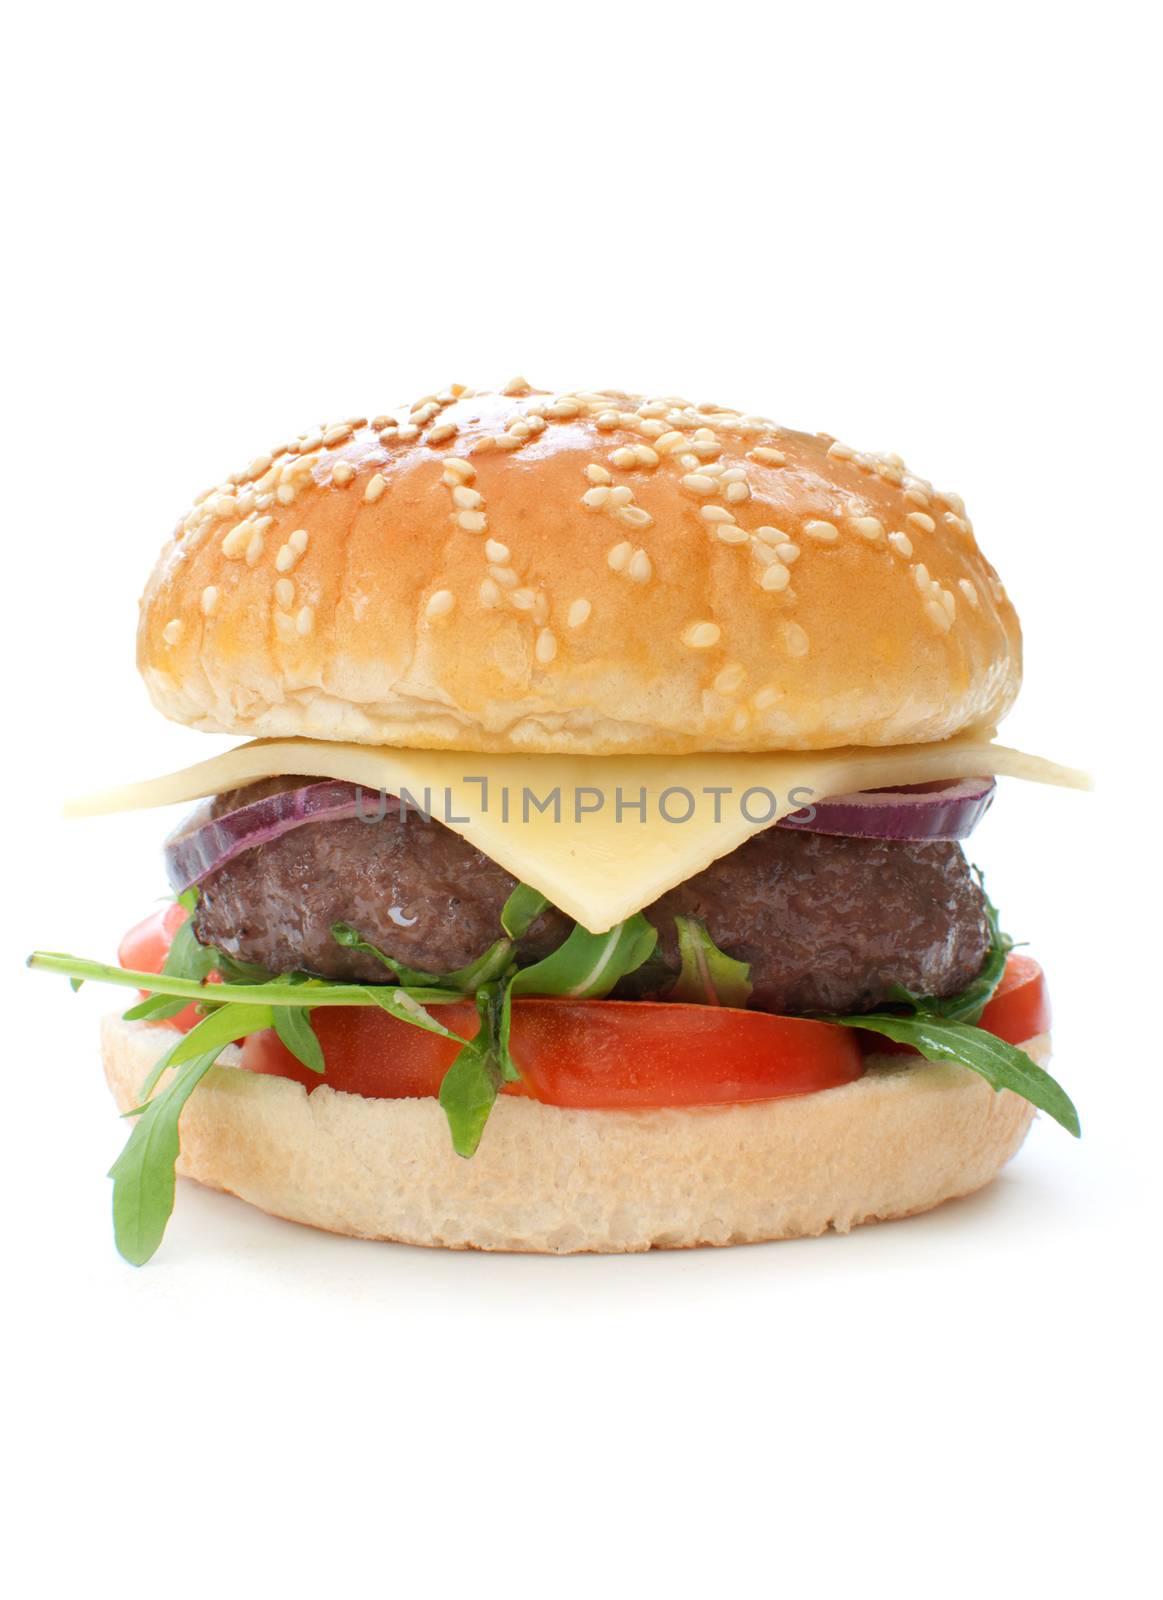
(592, 877)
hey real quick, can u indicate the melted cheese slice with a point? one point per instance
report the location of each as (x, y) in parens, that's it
(600, 836)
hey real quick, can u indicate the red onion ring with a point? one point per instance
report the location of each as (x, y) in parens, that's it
(192, 853)
(913, 812)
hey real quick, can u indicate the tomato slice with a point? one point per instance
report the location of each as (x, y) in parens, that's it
(1020, 1006)
(595, 1054)
(591, 1054)
(145, 948)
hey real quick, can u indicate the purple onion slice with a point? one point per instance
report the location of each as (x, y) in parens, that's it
(915, 812)
(193, 852)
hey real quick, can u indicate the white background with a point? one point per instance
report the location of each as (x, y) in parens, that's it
(921, 228)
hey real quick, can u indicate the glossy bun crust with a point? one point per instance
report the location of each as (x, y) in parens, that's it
(588, 573)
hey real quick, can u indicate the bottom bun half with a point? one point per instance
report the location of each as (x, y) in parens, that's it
(900, 1140)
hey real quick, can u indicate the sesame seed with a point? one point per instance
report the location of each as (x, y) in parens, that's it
(969, 592)
(826, 532)
(236, 541)
(715, 514)
(624, 457)
(739, 720)
(439, 434)
(596, 473)
(516, 385)
(870, 528)
(423, 414)
(375, 487)
(769, 457)
(953, 501)
(667, 443)
(737, 491)
(701, 635)
(472, 521)
(254, 549)
(699, 483)
(298, 541)
(762, 553)
(522, 599)
(496, 551)
(621, 496)
(787, 553)
(408, 431)
(706, 449)
(842, 452)
(579, 611)
(505, 576)
(607, 420)
(901, 543)
(565, 407)
(633, 516)
(731, 533)
(210, 600)
(916, 495)
(639, 567)
(489, 591)
(457, 467)
(775, 577)
(286, 558)
(937, 614)
(918, 519)
(172, 631)
(440, 603)
(766, 698)
(770, 535)
(304, 622)
(594, 499)
(921, 577)
(285, 593)
(546, 646)
(948, 602)
(285, 493)
(646, 456)
(618, 555)
(795, 639)
(335, 434)
(729, 679)
(342, 472)
(467, 499)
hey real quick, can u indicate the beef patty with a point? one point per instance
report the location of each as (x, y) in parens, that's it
(825, 924)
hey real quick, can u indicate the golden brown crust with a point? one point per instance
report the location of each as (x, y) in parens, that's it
(598, 574)
(901, 1140)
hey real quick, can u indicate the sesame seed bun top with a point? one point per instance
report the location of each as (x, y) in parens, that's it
(589, 573)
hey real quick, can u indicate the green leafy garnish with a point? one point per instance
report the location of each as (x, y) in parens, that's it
(708, 977)
(143, 1174)
(470, 1085)
(943, 1030)
(1002, 1065)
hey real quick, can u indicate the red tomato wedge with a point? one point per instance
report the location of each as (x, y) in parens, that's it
(596, 1054)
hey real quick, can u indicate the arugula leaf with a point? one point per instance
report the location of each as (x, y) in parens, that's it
(708, 977)
(405, 1004)
(187, 957)
(1002, 1065)
(469, 1087)
(588, 965)
(585, 967)
(143, 1174)
(155, 1007)
(465, 980)
(292, 991)
(521, 910)
(294, 1029)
